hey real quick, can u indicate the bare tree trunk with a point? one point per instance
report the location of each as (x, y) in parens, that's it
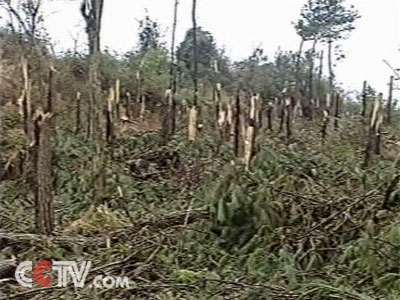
(170, 116)
(320, 73)
(269, 116)
(193, 111)
(110, 135)
(331, 73)
(311, 72)
(92, 12)
(364, 100)
(78, 112)
(337, 100)
(237, 124)
(27, 102)
(390, 100)
(142, 108)
(44, 212)
(373, 139)
(289, 105)
(298, 59)
(250, 133)
(128, 105)
(282, 113)
(325, 124)
(117, 98)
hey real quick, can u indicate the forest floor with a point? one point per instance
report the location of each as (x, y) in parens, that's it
(183, 221)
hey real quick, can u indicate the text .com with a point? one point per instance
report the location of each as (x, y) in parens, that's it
(67, 272)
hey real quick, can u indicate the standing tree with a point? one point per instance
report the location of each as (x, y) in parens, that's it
(28, 17)
(170, 116)
(206, 52)
(390, 100)
(193, 110)
(328, 21)
(149, 35)
(92, 11)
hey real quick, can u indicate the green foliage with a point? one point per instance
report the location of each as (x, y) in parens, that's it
(207, 54)
(326, 20)
(149, 35)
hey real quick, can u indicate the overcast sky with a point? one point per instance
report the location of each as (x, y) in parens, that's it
(241, 25)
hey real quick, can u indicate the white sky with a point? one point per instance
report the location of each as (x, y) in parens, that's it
(241, 25)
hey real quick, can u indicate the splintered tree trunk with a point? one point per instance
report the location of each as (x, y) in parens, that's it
(117, 99)
(27, 102)
(282, 113)
(110, 135)
(250, 133)
(390, 100)
(269, 116)
(364, 100)
(337, 111)
(44, 211)
(230, 130)
(92, 11)
(127, 106)
(331, 74)
(169, 124)
(320, 73)
(193, 111)
(289, 116)
(217, 104)
(78, 113)
(378, 126)
(298, 60)
(373, 143)
(237, 125)
(325, 124)
(51, 90)
(311, 72)
(138, 87)
(142, 108)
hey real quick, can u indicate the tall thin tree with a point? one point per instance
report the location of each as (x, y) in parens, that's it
(193, 110)
(92, 11)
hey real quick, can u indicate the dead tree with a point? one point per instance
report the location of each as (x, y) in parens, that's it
(373, 139)
(364, 100)
(270, 109)
(78, 113)
(193, 110)
(390, 100)
(237, 125)
(324, 129)
(111, 101)
(44, 210)
(117, 98)
(249, 141)
(170, 116)
(28, 17)
(337, 111)
(289, 106)
(128, 106)
(92, 11)
(320, 73)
